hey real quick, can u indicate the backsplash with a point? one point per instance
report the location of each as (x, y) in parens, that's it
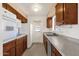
(67, 28)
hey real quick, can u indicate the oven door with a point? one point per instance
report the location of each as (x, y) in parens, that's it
(10, 28)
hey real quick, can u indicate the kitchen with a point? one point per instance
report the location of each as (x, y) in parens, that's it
(39, 29)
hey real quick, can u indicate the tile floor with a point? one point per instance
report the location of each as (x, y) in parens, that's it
(37, 49)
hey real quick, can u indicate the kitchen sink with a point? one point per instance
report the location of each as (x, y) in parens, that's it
(19, 34)
(51, 34)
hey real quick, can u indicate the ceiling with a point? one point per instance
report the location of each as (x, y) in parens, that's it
(27, 9)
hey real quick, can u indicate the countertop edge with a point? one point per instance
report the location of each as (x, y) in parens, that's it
(55, 46)
(17, 37)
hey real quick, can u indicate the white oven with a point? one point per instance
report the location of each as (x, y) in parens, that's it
(8, 25)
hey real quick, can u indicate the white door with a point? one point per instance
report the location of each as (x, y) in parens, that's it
(36, 34)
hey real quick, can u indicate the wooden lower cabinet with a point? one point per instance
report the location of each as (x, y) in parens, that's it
(21, 45)
(25, 43)
(54, 51)
(9, 48)
(45, 44)
(15, 47)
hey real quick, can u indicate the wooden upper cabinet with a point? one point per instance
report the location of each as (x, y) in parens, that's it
(59, 12)
(67, 13)
(70, 13)
(11, 9)
(4, 5)
(49, 22)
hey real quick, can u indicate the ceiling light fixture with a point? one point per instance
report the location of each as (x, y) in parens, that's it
(36, 7)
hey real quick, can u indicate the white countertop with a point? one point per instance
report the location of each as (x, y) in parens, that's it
(14, 38)
(65, 46)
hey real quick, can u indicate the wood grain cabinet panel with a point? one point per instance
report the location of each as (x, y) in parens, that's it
(67, 13)
(46, 46)
(70, 13)
(45, 43)
(54, 51)
(15, 47)
(21, 45)
(9, 48)
(59, 12)
(4, 5)
(25, 43)
(49, 22)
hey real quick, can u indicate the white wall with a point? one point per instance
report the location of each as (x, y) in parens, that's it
(25, 29)
(0, 4)
(1, 36)
(78, 13)
(1, 40)
(37, 20)
(51, 11)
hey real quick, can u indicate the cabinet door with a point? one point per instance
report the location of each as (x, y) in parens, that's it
(59, 13)
(25, 43)
(54, 51)
(19, 46)
(19, 50)
(5, 53)
(4, 5)
(45, 44)
(49, 22)
(44, 40)
(9, 48)
(70, 13)
(12, 51)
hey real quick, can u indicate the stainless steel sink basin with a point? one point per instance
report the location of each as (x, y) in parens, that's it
(51, 34)
(19, 34)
